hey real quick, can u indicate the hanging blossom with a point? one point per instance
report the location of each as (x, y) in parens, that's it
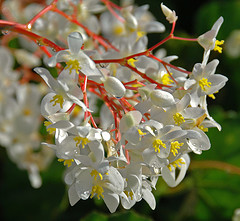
(123, 117)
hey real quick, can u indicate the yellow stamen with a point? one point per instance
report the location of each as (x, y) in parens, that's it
(203, 128)
(137, 85)
(73, 65)
(118, 30)
(129, 194)
(82, 140)
(212, 95)
(27, 112)
(98, 190)
(131, 62)
(174, 146)
(95, 173)
(141, 133)
(203, 83)
(166, 79)
(217, 47)
(66, 162)
(76, 111)
(156, 145)
(178, 118)
(58, 99)
(49, 130)
(140, 34)
(175, 164)
(114, 69)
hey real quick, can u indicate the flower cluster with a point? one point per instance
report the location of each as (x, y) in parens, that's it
(151, 114)
(20, 120)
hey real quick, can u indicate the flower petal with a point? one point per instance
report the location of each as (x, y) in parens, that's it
(75, 41)
(111, 200)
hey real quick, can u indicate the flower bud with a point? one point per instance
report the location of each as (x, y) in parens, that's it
(162, 98)
(129, 120)
(170, 15)
(114, 86)
(131, 21)
(75, 41)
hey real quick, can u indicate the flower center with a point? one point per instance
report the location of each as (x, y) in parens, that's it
(95, 173)
(204, 129)
(178, 118)
(98, 190)
(118, 30)
(131, 62)
(49, 130)
(27, 112)
(166, 79)
(175, 164)
(73, 65)
(174, 146)
(156, 145)
(217, 47)
(66, 162)
(82, 140)
(129, 194)
(140, 34)
(203, 83)
(57, 99)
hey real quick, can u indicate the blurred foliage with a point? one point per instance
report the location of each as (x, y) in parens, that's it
(210, 191)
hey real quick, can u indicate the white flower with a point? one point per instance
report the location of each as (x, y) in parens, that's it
(177, 114)
(94, 177)
(203, 81)
(169, 173)
(75, 58)
(65, 89)
(208, 40)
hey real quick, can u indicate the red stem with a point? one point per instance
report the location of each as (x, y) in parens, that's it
(89, 32)
(69, 111)
(22, 29)
(170, 65)
(170, 74)
(184, 39)
(40, 14)
(121, 19)
(112, 4)
(146, 77)
(160, 43)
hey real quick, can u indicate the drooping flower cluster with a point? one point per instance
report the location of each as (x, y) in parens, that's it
(152, 114)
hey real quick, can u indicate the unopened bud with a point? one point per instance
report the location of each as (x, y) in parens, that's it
(114, 86)
(170, 15)
(162, 98)
(129, 120)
